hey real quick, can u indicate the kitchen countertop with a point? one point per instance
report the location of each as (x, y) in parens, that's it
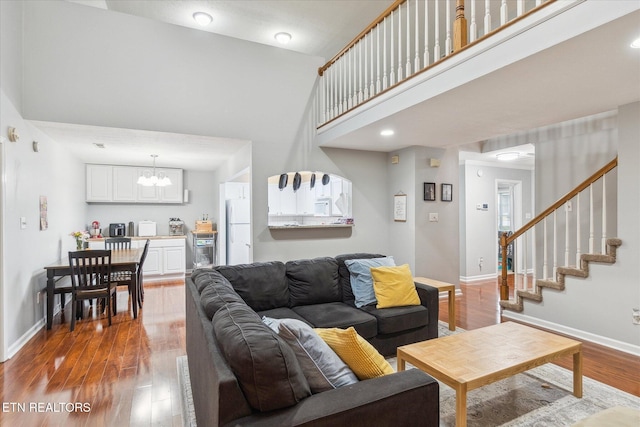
(101, 239)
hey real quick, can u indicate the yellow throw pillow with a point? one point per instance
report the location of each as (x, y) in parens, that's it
(394, 286)
(360, 356)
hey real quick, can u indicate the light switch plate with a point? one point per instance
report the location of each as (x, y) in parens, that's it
(23, 222)
(433, 217)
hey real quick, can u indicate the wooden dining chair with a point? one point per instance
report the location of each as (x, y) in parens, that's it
(117, 243)
(91, 279)
(124, 278)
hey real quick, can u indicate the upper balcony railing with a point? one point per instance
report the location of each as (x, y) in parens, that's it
(408, 38)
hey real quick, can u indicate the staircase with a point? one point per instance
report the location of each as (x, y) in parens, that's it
(565, 235)
(536, 294)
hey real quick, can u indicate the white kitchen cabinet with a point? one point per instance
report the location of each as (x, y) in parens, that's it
(119, 184)
(169, 194)
(124, 184)
(166, 257)
(99, 183)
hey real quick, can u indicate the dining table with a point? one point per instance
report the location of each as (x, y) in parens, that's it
(121, 260)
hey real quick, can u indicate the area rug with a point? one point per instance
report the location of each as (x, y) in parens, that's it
(539, 397)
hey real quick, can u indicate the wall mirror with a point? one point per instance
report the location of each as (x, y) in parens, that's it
(309, 199)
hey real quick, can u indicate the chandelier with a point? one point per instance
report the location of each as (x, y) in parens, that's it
(148, 179)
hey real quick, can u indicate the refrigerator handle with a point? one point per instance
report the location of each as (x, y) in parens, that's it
(231, 233)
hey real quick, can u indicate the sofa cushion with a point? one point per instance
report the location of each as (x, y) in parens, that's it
(266, 367)
(361, 280)
(313, 281)
(399, 319)
(282, 313)
(343, 272)
(203, 276)
(394, 286)
(358, 354)
(216, 294)
(263, 285)
(338, 315)
(321, 366)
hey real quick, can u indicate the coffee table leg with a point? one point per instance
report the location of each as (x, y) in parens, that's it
(461, 405)
(577, 374)
(452, 310)
(400, 363)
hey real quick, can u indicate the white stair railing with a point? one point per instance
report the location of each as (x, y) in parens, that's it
(525, 241)
(388, 51)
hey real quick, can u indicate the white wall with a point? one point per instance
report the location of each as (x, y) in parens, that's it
(52, 172)
(598, 307)
(480, 231)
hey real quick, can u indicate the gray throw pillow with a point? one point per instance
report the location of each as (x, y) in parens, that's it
(361, 280)
(266, 367)
(322, 367)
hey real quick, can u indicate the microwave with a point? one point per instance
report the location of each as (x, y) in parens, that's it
(322, 207)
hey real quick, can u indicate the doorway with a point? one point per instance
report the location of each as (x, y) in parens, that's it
(509, 217)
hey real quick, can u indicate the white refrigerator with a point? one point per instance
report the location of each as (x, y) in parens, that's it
(238, 231)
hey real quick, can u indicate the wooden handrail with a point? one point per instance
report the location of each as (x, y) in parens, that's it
(506, 241)
(357, 38)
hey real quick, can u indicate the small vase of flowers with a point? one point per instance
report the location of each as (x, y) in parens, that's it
(81, 237)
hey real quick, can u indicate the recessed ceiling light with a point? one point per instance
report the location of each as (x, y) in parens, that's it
(283, 38)
(387, 132)
(508, 156)
(203, 19)
(636, 43)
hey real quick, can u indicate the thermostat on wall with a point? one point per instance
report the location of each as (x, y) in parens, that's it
(482, 206)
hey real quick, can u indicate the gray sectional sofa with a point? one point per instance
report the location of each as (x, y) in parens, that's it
(242, 373)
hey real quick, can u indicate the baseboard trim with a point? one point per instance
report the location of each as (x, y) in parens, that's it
(577, 333)
(24, 339)
(467, 279)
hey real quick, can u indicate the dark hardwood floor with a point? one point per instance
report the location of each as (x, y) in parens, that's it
(126, 374)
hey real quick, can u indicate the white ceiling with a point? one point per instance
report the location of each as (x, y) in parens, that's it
(319, 28)
(603, 74)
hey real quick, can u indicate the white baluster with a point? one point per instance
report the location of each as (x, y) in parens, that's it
(345, 92)
(487, 17)
(578, 236)
(400, 75)
(378, 83)
(350, 75)
(426, 33)
(538, 2)
(555, 245)
(604, 214)
(436, 47)
(525, 282)
(519, 7)
(407, 68)
(392, 72)
(371, 85)
(365, 91)
(591, 224)
(447, 42)
(504, 13)
(360, 90)
(566, 236)
(545, 253)
(416, 61)
(473, 27)
(384, 55)
(534, 258)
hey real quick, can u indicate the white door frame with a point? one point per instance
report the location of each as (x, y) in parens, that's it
(3, 321)
(517, 213)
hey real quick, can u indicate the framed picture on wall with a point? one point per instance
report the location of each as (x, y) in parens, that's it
(400, 207)
(446, 194)
(430, 191)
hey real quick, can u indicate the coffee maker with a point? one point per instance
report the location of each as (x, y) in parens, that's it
(117, 230)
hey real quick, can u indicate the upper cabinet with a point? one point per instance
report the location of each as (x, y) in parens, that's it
(118, 184)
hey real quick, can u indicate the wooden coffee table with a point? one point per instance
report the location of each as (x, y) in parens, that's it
(479, 357)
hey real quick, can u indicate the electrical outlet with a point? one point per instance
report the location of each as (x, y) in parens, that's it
(636, 316)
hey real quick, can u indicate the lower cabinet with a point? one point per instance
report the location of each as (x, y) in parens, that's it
(166, 256)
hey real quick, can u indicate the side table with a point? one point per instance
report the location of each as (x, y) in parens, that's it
(442, 287)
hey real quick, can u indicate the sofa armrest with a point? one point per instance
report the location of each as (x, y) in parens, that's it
(430, 298)
(408, 398)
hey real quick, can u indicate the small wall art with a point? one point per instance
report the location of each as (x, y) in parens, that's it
(430, 191)
(44, 221)
(446, 194)
(400, 207)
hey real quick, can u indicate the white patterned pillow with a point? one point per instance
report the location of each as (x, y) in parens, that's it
(321, 366)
